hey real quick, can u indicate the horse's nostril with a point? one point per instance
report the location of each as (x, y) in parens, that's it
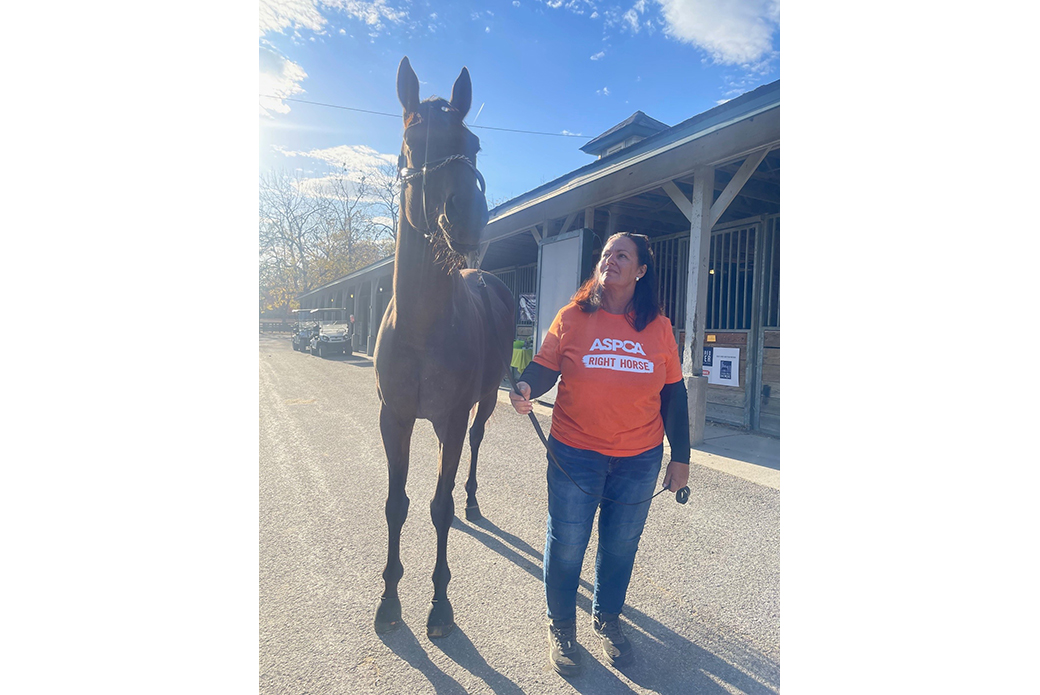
(449, 206)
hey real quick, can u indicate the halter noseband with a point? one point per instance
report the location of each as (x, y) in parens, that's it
(407, 175)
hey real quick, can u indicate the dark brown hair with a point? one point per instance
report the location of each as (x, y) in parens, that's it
(644, 305)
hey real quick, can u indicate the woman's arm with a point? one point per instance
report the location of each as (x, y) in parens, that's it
(675, 411)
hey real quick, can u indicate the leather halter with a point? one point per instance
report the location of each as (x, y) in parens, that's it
(408, 175)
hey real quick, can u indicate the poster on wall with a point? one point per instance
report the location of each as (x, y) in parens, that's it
(527, 307)
(724, 365)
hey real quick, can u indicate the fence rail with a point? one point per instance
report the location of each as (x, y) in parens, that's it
(275, 326)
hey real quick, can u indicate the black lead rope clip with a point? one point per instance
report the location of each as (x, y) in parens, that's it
(682, 495)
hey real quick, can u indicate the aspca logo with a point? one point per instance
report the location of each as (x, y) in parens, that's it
(613, 345)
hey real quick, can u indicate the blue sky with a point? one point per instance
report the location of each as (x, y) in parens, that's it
(556, 66)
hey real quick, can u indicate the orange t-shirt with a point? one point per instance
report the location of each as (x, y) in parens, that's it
(611, 376)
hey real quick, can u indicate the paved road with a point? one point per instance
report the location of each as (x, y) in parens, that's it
(703, 609)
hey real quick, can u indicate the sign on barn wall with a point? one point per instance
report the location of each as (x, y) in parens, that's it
(721, 365)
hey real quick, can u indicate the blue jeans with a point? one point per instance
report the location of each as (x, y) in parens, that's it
(571, 511)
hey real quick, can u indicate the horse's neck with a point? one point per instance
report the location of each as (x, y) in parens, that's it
(422, 288)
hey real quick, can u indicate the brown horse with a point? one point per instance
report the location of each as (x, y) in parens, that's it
(436, 354)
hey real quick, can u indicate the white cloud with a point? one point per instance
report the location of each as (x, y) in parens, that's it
(371, 12)
(487, 30)
(355, 160)
(735, 32)
(278, 15)
(567, 132)
(279, 78)
(632, 19)
(603, 92)
(516, 3)
(598, 55)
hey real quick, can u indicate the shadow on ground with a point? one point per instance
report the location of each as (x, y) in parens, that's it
(667, 662)
(402, 642)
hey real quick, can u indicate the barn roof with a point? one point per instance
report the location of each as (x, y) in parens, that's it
(636, 124)
(744, 106)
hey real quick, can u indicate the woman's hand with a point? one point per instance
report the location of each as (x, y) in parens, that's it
(677, 476)
(521, 404)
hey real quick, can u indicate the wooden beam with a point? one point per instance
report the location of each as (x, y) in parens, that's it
(568, 222)
(754, 188)
(480, 253)
(684, 205)
(590, 218)
(736, 183)
(536, 235)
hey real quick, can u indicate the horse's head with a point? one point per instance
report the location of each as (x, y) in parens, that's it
(443, 191)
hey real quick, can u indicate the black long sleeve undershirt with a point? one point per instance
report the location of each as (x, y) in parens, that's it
(675, 410)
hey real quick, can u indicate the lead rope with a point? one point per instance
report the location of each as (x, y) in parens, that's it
(681, 495)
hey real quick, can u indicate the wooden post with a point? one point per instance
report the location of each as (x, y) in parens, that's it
(590, 218)
(697, 301)
(612, 222)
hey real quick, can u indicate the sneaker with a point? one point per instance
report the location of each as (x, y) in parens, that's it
(617, 649)
(563, 648)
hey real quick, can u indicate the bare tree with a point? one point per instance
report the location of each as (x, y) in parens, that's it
(386, 193)
(344, 223)
(313, 231)
(288, 219)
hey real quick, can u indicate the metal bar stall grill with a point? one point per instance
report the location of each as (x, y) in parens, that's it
(730, 280)
(672, 253)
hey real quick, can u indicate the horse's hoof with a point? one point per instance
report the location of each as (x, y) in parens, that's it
(473, 513)
(388, 614)
(441, 621)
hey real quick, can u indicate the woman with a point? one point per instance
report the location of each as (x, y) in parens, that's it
(621, 391)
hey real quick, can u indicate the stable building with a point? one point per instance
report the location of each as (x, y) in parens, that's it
(707, 193)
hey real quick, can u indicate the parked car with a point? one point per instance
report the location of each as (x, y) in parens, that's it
(302, 330)
(332, 335)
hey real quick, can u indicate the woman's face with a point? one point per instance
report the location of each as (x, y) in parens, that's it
(619, 264)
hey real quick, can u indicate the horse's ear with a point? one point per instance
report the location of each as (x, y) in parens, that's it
(462, 93)
(407, 87)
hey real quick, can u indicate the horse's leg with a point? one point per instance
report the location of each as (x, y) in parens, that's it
(452, 433)
(397, 437)
(476, 436)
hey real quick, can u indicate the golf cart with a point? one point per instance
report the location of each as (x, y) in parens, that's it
(332, 335)
(302, 329)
